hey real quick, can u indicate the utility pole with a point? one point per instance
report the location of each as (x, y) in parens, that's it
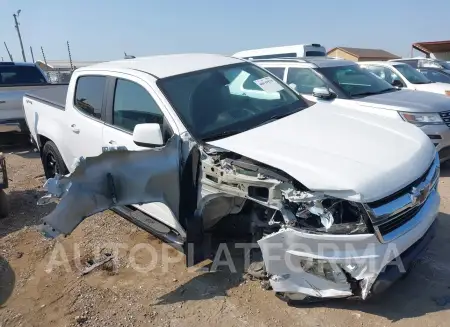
(43, 55)
(18, 33)
(70, 56)
(9, 53)
(32, 55)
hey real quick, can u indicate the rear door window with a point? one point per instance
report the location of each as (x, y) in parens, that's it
(305, 80)
(89, 95)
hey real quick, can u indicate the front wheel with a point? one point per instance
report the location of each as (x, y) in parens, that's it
(52, 161)
(3, 204)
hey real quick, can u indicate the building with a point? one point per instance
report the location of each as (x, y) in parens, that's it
(434, 49)
(358, 54)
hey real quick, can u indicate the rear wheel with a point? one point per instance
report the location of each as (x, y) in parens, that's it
(52, 161)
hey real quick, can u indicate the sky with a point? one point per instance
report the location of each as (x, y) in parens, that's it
(104, 29)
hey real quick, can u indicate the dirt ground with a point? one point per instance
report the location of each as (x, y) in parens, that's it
(170, 295)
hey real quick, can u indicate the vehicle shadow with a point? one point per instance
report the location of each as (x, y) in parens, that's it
(7, 281)
(424, 290)
(23, 210)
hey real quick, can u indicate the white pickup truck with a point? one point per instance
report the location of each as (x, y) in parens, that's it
(329, 195)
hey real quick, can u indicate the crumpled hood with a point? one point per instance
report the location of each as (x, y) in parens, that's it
(345, 153)
(411, 101)
(433, 87)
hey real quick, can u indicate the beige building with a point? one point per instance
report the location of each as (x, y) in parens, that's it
(358, 54)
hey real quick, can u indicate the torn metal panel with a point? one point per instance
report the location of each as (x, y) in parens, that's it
(115, 178)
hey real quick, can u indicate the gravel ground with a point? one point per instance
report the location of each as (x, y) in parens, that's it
(35, 293)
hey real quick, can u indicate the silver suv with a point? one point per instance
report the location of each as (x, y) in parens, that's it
(345, 83)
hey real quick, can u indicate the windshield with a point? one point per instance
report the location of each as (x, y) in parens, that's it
(228, 100)
(20, 75)
(436, 76)
(412, 75)
(355, 81)
(444, 64)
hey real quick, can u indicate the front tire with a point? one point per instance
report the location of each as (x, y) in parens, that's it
(52, 161)
(4, 209)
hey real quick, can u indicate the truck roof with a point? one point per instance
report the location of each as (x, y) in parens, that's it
(11, 63)
(167, 65)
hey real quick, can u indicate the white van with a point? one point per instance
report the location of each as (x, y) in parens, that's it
(290, 51)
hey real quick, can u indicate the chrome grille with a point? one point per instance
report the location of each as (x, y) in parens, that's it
(390, 214)
(445, 115)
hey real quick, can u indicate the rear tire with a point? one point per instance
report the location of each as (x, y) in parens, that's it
(52, 161)
(4, 209)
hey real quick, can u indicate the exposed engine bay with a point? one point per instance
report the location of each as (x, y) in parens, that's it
(285, 202)
(303, 235)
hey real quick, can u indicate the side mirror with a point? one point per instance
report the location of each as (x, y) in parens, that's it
(293, 86)
(323, 93)
(397, 83)
(148, 135)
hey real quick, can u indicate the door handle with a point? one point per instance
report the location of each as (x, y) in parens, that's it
(112, 142)
(74, 128)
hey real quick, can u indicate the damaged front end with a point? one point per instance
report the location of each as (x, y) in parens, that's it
(313, 245)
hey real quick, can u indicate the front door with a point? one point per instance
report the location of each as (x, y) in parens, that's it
(133, 104)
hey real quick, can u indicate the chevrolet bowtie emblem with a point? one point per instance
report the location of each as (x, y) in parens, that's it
(419, 194)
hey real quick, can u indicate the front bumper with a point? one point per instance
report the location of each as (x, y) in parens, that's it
(357, 261)
(392, 273)
(440, 136)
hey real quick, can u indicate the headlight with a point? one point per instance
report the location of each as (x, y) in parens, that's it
(421, 119)
(447, 93)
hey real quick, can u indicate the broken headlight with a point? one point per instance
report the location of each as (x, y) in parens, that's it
(331, 215)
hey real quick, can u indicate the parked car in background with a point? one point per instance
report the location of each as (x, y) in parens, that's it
(403, 75)
(15, 80)
(300, 50)
(266, 164)
(344, 83)
(425, 63)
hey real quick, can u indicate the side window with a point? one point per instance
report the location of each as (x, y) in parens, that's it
(134, 105)
(277, 71)
(392, 76)
(305, 80)
(379, 71)
(89, 95)
(385, 73)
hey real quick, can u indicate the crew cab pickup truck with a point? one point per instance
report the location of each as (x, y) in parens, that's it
(175, 144)
(344, 83)
(15, 80)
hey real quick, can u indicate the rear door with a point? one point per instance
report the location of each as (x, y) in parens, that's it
(131, 101)
(84, 125)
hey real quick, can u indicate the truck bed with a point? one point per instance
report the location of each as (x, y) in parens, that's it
(54, 96)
